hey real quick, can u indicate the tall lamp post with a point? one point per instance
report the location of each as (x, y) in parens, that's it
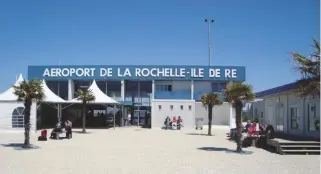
(209, 22)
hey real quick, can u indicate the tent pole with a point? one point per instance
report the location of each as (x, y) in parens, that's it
(114, 117)
(58, 113)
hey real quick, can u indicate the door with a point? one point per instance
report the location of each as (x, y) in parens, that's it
(270, 116)
(279, 118)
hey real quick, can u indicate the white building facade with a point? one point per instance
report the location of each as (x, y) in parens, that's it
(160, 90)
(288, 113)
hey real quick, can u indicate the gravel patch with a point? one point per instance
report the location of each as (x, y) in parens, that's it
(126, 151)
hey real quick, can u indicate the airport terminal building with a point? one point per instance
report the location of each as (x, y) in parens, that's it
(158, 91)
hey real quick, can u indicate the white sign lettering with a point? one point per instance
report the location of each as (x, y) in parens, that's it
(142, 72)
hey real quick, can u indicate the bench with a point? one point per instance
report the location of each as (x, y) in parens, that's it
(58, 133)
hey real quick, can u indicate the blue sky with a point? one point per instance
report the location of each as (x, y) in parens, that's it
(256, 34)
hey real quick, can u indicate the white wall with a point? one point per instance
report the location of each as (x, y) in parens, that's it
(277, 113)
(257, 110)
(221, 114)
(7, 109)
(159, 115)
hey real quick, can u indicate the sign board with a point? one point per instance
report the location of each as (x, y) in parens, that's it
(101, 72)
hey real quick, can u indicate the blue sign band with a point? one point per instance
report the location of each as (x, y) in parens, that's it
(105, 72)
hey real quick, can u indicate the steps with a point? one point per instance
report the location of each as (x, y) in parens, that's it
(299, 147)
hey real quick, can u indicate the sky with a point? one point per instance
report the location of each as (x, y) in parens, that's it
(257, 34)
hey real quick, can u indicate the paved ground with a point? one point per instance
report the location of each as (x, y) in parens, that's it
(143, 151)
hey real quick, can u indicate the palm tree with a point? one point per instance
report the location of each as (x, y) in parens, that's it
(85, 96)
(236, 93)
(209, 101)
(28, 92)
(309, 67)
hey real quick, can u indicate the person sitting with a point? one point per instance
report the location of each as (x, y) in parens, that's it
(57, 129)
(251, 131)
(174, 120)
(179, 122)
(167, 122)
(249, 124)
(68, 126)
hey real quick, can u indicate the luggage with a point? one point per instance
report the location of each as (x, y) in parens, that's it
(43, 136)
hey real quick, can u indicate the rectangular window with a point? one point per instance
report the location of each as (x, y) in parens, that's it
(294, 114)
(164, 88)
(218, 87)
(182, 107)
(313, 121)
(279, 118)
(215, 87)
(261, 118)
(256, 114)
(222, 86)
(189, 107)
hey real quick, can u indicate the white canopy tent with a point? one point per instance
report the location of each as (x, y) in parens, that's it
(12, 110)
(8, 95)
(51, 97)
(100, 98)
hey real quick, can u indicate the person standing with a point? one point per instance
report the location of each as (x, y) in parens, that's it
(129, 119)
(68, 127)
(125, 120)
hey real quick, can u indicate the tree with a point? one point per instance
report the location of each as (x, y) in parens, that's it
(85, 96)
(309, 68)
(209, 101)
(236, 93)
(28, 92)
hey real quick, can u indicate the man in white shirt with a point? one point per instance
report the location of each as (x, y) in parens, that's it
(129, 118)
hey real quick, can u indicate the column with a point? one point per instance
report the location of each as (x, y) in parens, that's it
(153, 89)
(122, 90)
(192, 89)
(71, 89)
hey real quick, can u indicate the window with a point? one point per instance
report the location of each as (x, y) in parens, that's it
(18, 117)
(171, 107)
(313, 121)
(294, 117)
(261, 118)
(182, 107)
(189, 107)
(218, 87)
(256, 114)
(164, 88)
(160, 107)
(279, 118)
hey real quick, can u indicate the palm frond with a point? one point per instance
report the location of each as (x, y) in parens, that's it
(309, 68)
(210, 100)
(238, 91)
(32, 90)
(85, 95)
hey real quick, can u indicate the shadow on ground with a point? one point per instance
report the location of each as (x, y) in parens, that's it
(220, 149)
(199, 134)
(80, 132)
(18, 146)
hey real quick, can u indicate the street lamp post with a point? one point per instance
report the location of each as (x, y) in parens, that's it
(209, 22)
